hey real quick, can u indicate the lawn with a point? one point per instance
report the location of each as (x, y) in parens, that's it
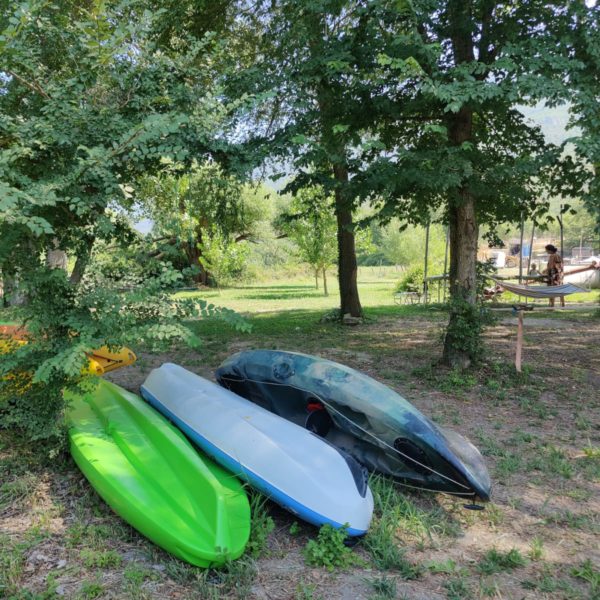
(539, 432)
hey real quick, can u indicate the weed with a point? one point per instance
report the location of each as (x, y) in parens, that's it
(573, 521)
(494, 515)
(262, 525)
(294, 528)
(552, 461)
(306, 591)
(587, 572)
(101, 559)
(407, 518)
(444, 566)
(14, 494)
(384, 587)
(583, 423)
(495, 561)
(237, 577)
(488, 445)
(328, 550)
(508, 464)
(547, 583)
(592, 451)
(11, 566)
(93, 535)
(536, 550)
(457, 380)
(457, 589)
(181, 572)
(589, 465)
(579, 494)
(90, 590)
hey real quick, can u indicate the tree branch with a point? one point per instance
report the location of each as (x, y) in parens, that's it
(34, 86)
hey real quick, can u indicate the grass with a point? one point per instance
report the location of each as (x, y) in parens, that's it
(262, 525)
(496, 561)
(545, 472)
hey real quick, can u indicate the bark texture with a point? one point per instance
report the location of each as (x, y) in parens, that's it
(463, 226)
(347, 265)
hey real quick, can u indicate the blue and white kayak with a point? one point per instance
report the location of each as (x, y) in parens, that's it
(286, 462)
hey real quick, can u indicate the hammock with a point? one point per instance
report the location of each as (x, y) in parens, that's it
(541, 291)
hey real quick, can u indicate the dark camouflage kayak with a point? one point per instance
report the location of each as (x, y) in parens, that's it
(361, 416)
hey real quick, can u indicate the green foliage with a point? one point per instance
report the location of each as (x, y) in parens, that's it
(222, 257)
(463, 333)
(311, 224)
(328, 550)
(496, 561)
(406, 246)
(587, 572)
(262, 526)
(101, 559)
(458, 589)
(201, 213)
(65, 322)
(384, 588)
(411, 280)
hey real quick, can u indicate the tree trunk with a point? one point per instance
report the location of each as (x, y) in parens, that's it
(325, 290)
(347, 266)
(463, 238)
(193, 254)
(83, 259)
(316, 279)
(12, 296)
(55, 257)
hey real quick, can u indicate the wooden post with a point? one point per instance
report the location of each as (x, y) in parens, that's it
(519, 340)
(521, 249)
(446, 278)
(560, 222)
(425, 290)
(530, 248)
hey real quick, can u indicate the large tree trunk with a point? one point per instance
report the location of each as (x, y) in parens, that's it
(347, 266)
(464, 235)
(463, 330)
(193, 254)
(463, 238)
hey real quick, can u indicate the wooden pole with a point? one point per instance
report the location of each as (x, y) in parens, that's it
(521, 249)
(519, 340)
(446, 261)
(560, 222)
(425, 286)
(530, 248)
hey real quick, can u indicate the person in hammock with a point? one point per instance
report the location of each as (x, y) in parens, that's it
(554, 270)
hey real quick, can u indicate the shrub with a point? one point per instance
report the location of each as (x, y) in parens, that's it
(411, 281)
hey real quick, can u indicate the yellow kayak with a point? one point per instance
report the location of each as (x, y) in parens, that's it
(101, 360)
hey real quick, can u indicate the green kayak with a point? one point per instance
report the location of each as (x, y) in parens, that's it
(151, 476)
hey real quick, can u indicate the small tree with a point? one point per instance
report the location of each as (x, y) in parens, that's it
(222, 256)
(311, 224)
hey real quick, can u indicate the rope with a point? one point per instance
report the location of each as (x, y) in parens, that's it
(380, 441)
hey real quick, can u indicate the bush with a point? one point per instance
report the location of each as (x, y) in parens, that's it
(66, 322)
(411, 281)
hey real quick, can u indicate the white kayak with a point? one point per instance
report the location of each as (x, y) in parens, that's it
(289, 464)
